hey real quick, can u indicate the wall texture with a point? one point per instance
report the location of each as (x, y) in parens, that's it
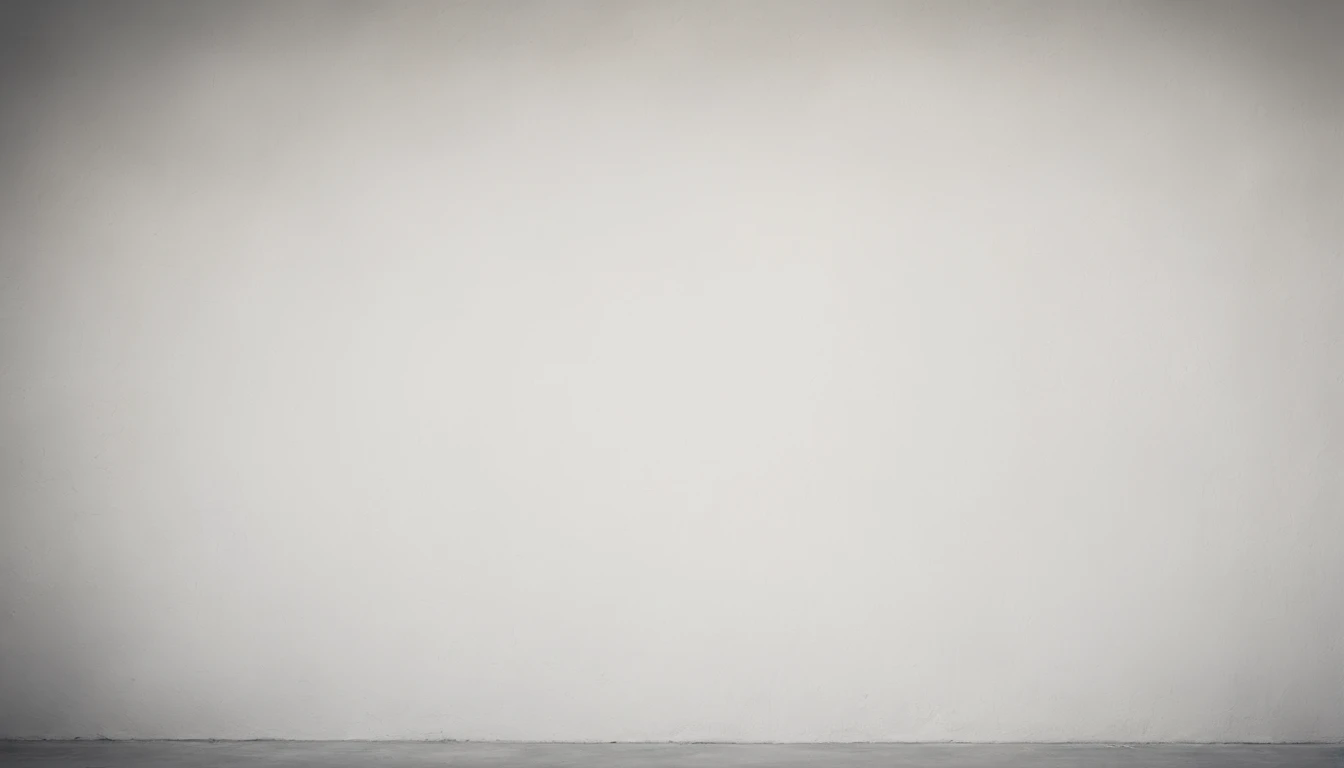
(672, 371)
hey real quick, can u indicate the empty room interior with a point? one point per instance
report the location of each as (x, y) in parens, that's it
(705, 383)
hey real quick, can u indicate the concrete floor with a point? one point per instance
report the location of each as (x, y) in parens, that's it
(369, 754)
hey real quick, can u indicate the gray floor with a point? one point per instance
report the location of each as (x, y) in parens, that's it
(368, 754)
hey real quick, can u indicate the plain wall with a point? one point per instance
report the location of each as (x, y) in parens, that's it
(672, 371)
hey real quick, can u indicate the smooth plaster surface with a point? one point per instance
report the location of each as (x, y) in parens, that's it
(477, 755)
(672, 371)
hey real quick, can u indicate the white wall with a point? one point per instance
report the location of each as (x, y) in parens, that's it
(673, 371)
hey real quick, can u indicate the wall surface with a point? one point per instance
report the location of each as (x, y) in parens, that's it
(672, 371)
